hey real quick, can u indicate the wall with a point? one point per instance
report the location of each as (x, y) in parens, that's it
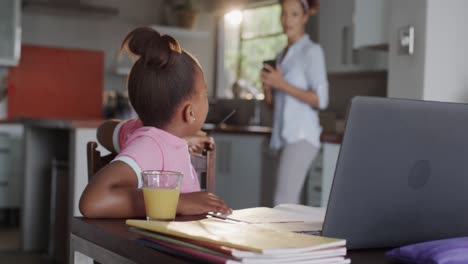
(446, 66)
(106, 33)
(437, 70)
(344, 86)
(94, 33)
(406, 73)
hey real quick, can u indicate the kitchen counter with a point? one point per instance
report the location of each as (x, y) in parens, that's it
(54, 123)
(327, 137)
(237, 129)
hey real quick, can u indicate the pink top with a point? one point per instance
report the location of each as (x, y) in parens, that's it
(149, 148)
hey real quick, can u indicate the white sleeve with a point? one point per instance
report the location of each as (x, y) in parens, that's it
(134, 165)
(115, 136)
(316, 74)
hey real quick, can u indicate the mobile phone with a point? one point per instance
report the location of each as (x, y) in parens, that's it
(272, 63)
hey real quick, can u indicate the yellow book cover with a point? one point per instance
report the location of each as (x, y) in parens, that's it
(241, 236)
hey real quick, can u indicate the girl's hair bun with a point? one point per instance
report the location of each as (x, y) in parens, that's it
(153, 49)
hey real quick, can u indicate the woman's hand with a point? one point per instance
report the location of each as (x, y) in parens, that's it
(266, 88)
(268, 95)
(199, 142)
(196, 203)
(273, 78)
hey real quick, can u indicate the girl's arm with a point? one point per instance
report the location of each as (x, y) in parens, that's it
(105, 134)
(113, 193)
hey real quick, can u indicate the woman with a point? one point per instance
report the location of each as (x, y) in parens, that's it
(297, 89)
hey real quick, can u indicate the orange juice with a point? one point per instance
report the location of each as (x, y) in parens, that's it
(161, 203)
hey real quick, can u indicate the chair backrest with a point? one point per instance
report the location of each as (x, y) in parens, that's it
(204, 164)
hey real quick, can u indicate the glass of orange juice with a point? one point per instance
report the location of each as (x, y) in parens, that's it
(161, 191)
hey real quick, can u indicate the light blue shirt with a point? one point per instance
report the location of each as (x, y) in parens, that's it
(294, 120)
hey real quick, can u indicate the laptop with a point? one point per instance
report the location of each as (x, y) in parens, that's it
(401, 175)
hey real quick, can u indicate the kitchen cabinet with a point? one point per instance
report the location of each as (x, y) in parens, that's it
(11, 166)
(371, 23)
(10, 32)
(246, 171)
(321, 173)
(240, 179)
(314, 181)
(350, 31)
(330, 157)
(55, 173)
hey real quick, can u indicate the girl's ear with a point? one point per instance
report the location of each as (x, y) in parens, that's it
(189, 115)
(306, 18)
(313, 11)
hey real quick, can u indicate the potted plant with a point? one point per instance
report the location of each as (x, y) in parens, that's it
(185, 14)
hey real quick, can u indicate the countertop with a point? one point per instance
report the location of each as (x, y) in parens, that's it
(54, 123)
(236, 129)
(327, 137)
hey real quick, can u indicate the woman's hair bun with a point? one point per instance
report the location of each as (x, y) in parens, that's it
(152, 48)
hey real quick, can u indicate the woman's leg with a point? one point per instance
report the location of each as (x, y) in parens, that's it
(294, 163)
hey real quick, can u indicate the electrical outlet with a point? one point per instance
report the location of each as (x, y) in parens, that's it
(406, 40)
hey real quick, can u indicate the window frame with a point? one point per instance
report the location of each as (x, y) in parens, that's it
(220, 31)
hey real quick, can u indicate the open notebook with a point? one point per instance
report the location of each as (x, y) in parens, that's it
(254, 235)
(241, 236)
(285, 217)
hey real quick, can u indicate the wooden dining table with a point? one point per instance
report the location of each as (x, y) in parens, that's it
(111, 241)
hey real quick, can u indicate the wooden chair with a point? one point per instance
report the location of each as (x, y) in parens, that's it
(204, 164)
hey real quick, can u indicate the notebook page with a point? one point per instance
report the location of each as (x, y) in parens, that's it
(259, 215)
(310, 214)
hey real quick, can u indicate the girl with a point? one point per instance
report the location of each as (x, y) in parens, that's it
(168, 92)
(297, 89)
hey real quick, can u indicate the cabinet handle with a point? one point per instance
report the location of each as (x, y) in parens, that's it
(344, 45)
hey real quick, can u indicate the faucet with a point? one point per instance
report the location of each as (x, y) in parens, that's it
(256, 118)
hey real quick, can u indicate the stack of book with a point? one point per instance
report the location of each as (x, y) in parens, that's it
(215, 240)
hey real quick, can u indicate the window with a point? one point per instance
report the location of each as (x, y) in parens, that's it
(247, 38)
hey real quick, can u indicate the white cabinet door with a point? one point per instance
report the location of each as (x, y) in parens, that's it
(371, 23)
(11, 165)
(337, 35)
(239, 169)
(78, 162)
(10, 32)
(314, 181)
(330, 157)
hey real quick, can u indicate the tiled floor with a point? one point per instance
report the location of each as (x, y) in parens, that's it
(10, 249)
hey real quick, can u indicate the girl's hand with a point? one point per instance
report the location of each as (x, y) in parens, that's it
(273, 78)
(196, 203)
(199, 142)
